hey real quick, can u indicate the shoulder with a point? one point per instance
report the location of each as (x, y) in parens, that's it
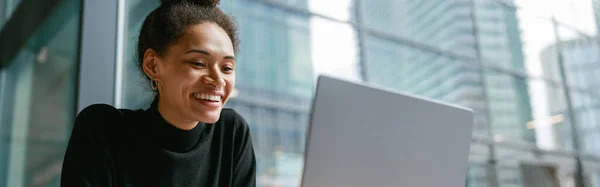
(237, 129)
(233, 119)
(229, 115)
(100, 112)
(100, 116)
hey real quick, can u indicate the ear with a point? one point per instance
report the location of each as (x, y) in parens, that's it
(150, 64)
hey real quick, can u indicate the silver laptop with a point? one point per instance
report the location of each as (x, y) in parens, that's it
(361, 136)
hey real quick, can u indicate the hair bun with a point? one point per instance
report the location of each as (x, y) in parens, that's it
(208, 3)
(205, 3)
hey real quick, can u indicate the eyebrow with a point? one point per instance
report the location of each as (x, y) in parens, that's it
(207, 53)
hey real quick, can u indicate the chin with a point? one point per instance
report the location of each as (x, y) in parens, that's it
(211, 120)
(209, 117)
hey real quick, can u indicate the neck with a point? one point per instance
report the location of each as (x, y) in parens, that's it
(175, 118)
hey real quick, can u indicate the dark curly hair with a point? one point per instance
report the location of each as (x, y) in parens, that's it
(165, 24)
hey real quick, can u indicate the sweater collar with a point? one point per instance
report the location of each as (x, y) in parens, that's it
(169, 136)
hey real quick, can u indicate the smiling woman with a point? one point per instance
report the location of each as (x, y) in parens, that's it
(187, 49)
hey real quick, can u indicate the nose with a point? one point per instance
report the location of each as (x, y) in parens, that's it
(214, 78)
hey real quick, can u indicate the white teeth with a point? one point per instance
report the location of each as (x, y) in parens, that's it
(207, 97)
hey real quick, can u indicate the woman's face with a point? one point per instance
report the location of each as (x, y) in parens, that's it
(196, 75)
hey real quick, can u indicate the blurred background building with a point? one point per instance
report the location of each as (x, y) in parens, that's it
(529, 69)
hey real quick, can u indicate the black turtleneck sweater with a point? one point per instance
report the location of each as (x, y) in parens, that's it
(119, 147)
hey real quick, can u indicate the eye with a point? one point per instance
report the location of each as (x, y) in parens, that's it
(198, 64)
(227, 69)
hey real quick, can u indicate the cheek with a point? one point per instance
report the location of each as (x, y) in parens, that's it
(190, 78)
(229, 87)
(183, 79)
(230, 82)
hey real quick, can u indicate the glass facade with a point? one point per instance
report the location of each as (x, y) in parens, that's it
(7, 8)
(37, 101)
(529, 69)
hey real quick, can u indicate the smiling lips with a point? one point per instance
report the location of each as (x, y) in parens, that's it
(208, 97)
(211, 101)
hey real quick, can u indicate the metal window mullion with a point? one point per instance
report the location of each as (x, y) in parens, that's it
(98, 53)
(361, 41)
(120, 50)
(579, 173)
(492, 164)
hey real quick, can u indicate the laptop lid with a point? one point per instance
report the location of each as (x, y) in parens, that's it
(364, 136)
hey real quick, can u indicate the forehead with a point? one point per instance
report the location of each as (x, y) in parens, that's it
(206, 36)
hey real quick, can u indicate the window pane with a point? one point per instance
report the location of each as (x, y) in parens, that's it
(419, 72)
(338, 9)
(538, 175)
(519, 166)
(580, 57)
(592, 173)
(37, 101)
(136, 92)
(539, 9)
(551, 119)
(334, 49)
(575, 14)
(507, 170)
(447, 25)
(477, 175)
(7, 8)
(294, 4)
(586, 109)
(499, 35)
(509, 107)
(538, 36)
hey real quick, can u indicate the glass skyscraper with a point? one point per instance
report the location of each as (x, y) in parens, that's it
(461, 52)
(466, 30)
(581, 66)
